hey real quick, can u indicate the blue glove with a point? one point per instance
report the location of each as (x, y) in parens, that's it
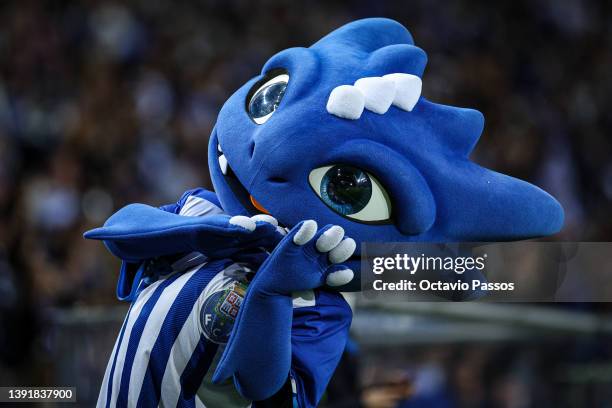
(258, 353)
(138, 231)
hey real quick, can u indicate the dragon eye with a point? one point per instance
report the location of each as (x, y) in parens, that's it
(266, 98)
(351, 192)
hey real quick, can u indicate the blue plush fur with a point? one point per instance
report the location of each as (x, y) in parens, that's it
(421, 157)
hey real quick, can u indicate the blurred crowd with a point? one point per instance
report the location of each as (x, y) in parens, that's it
(103, 103)
(483, 375)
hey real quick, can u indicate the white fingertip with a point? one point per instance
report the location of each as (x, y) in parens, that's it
(265, 218)
(305, 233)
(407, 90)
(346, 101)
(281, 230)
(339, 278)
(343, 251)
(244, 222)
(330, 238)
(379, 93)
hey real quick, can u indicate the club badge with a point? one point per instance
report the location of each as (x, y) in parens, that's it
(219, 312)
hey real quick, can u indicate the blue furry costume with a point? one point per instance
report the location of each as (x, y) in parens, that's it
(336, 134)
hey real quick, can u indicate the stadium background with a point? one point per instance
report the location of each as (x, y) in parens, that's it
(105, 103)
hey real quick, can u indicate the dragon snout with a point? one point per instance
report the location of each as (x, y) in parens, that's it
(494, 207)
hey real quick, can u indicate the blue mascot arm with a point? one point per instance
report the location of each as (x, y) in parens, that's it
(259, 351)
(138, 231)
(258, 354)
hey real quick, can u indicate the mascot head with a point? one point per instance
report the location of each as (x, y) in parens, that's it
(339, 133)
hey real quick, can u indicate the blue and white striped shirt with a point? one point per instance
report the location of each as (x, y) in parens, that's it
(178, 324)
(162, 355)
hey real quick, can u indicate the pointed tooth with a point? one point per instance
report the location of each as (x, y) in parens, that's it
(379, 93)
(219, 148)
(223, 164)
(346, 101)
(407, 90)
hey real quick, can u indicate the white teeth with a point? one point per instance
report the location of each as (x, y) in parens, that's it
(223, 164)
(407, 90)
(346, 101)
(219, 148)
(375, 94)
(379, 93)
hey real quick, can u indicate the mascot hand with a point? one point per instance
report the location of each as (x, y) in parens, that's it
(259, 352)
(307, 258)
(139, 231)
(239, 233)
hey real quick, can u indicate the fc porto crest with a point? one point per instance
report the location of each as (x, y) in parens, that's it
(219, 312)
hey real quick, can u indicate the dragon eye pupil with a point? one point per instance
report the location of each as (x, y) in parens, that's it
(346, 189)
(266, 100)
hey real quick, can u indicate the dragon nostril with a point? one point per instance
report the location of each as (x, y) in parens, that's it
(277, 180)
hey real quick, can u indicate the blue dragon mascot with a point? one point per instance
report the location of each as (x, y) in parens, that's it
(235, 295)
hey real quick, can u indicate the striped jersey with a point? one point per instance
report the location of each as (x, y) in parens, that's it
(177, 326)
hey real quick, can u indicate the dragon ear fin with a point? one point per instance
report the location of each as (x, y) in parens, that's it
(367, 35)
(459, 129)
(402, 58)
